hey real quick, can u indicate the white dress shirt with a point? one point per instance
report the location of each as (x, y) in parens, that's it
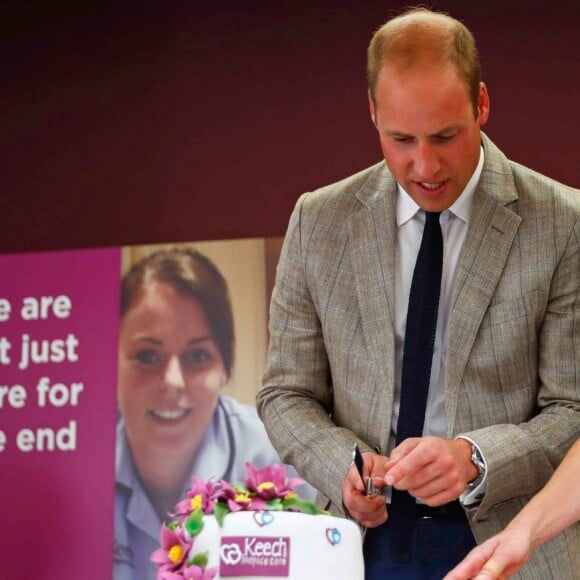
(410, 223)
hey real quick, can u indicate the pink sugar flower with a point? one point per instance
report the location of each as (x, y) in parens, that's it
(238, 498)
(189, 573)
(194, 572)
(270, 482)
(174, 549)
(202, 495)
(167, 575)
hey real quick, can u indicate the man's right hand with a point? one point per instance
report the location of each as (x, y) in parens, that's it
(370, 512)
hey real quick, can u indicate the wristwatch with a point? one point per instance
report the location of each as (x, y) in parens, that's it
(477, 460)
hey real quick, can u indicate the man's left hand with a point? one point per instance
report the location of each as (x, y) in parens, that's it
(432, 469)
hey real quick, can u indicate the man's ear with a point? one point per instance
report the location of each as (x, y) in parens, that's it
(483, 105)
(372, 109)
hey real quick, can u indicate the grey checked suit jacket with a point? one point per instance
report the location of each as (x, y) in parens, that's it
(512, 370)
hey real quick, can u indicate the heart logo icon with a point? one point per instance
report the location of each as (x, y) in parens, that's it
(263, 518)
(333, 536)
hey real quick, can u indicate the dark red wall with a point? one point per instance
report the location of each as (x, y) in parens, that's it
(136, 122)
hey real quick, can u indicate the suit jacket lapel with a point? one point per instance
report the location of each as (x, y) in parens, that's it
(492, 229)
(372, 233)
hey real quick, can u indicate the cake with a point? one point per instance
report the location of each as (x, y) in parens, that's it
(255, 530)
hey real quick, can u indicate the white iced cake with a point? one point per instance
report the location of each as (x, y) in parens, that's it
(256, 529)
(296, 546)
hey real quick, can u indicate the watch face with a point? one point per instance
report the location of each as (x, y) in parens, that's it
(477, 460)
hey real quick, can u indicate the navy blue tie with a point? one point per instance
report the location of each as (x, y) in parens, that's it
(417, 357)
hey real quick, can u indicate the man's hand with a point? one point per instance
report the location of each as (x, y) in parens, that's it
(370, 512)
(430, 468)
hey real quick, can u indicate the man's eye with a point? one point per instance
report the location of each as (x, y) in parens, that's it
(402, 139)
(444, 138)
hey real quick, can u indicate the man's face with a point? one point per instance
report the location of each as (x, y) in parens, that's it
(428, 132)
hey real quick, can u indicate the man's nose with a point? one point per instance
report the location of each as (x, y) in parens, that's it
(426, 162)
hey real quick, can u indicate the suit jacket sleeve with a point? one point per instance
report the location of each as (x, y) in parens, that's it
(295, 401)
(520, 390)
(523, 456)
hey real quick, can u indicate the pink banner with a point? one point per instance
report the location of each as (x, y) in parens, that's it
(59, 316)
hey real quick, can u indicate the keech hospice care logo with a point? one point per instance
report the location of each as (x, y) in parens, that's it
(255, 556)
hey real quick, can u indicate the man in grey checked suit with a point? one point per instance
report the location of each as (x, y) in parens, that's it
(505, 374)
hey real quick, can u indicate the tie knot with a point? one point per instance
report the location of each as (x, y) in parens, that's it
(432, 217)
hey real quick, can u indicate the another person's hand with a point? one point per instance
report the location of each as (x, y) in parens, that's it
(370, 512)
(497, 558)
(541, 519)
(432, 469)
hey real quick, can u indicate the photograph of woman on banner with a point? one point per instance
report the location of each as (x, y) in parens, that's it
(176, 352)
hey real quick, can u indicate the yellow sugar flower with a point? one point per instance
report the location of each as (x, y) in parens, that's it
(175, 554)
(196, 502)
(242, 497)
(266, 485)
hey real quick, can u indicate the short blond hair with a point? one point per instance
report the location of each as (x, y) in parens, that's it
(419, 34)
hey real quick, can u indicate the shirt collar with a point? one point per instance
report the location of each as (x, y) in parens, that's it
(407, 208)
(124, 467)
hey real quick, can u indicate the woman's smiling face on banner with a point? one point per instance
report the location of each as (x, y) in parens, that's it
(170, 369)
